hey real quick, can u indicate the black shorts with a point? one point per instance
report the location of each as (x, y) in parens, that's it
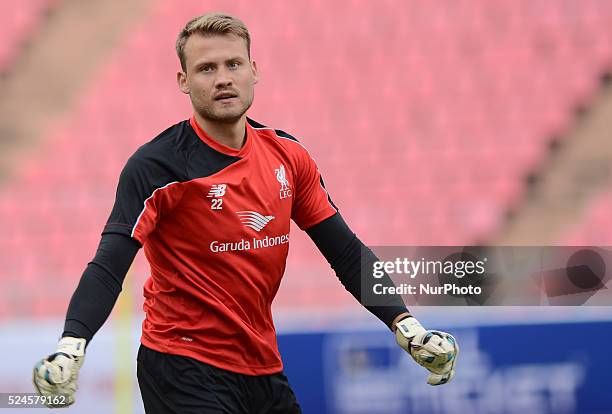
(173, 384)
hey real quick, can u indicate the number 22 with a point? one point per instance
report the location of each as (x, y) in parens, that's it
(217, 204)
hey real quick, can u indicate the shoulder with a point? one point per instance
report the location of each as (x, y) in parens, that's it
(163, 157)
(281, 138)
(166, 144)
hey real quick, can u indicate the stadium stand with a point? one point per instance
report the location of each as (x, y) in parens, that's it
(18, 20)
(594, 227)
(423, 130)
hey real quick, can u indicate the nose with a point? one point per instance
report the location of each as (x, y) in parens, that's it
(223, 79)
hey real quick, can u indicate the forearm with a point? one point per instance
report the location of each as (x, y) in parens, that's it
(346, 254)
(389, 307)
(91, 304)
(100, 285)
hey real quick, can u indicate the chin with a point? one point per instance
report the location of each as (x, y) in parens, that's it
(225, 115)
(225, 118)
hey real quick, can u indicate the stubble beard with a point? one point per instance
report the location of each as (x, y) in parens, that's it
(231, 116)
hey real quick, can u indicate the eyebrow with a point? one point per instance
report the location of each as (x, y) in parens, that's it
(210, 62)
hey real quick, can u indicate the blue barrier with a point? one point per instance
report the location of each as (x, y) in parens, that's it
(544, 368)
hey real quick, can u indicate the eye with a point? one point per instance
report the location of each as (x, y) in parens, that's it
(233, 65)
(207, 68)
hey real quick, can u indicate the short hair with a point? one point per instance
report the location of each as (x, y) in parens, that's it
(212, 24)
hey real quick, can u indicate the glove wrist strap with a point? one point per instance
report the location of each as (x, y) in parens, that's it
(409, 327)
(71, 346)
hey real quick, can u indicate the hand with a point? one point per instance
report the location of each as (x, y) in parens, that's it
(435, 350)
(57, 374)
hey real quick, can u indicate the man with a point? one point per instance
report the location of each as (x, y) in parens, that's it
(210, 199)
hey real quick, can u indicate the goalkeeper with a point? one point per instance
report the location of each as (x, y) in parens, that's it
(210, 200)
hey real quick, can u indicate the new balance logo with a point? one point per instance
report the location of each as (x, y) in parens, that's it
(217, 190)
(254, 220)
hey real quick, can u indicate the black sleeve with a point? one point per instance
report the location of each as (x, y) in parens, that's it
(137, 210)
(343, 250)
(136, 185)
(100, 285)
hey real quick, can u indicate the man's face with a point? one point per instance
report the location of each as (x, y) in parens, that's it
(219, 76)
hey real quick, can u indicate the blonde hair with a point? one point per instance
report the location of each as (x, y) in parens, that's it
(212, 24)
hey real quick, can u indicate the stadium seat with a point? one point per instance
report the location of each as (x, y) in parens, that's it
(423, 118)
(18, 21)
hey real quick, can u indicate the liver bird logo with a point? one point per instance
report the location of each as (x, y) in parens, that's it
(282, 177)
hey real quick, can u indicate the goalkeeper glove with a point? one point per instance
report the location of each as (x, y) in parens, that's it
(435, 350)
(57, 374)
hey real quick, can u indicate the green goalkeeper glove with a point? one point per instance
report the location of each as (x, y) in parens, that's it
(435, 350)
(57, 374)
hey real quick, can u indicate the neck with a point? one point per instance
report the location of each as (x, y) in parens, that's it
(231, 134)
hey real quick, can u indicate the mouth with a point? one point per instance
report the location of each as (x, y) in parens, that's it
(225, 96)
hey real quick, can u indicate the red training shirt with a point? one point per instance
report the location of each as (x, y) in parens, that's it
(214, 223)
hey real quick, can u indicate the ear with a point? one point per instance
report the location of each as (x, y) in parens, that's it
(181, 79)
(255, 71)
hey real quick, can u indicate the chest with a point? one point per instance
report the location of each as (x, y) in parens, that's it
(248, 198)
